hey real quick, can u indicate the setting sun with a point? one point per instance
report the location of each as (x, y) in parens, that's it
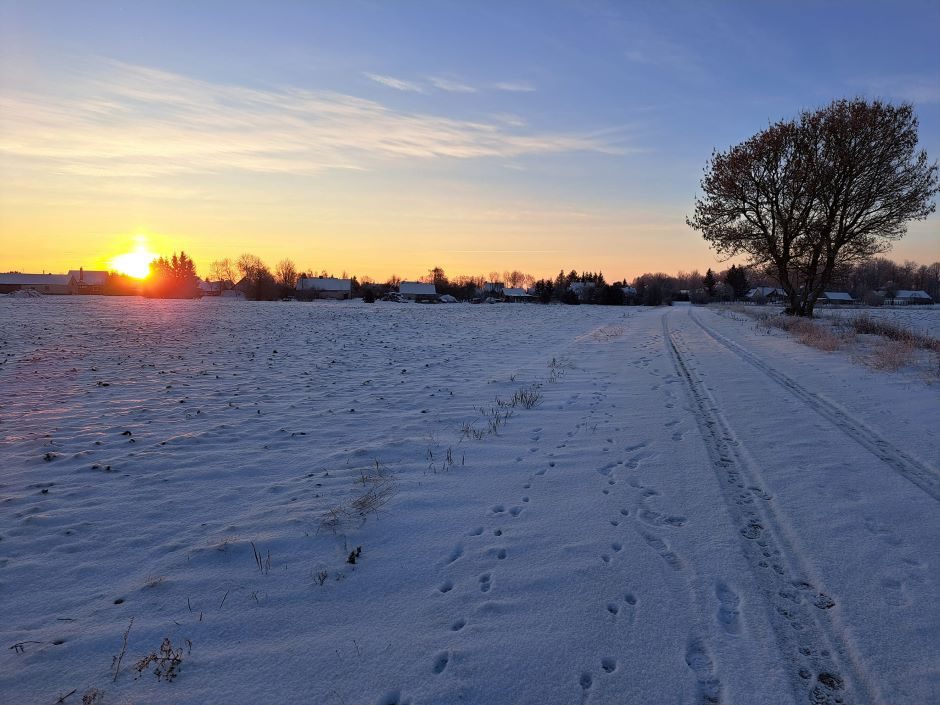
(134, 264)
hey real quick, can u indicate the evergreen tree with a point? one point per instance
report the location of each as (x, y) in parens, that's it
(736, 278)
(709, 282)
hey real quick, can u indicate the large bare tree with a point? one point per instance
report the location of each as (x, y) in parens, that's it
(222, 270)
(803, 197)
(285, 273)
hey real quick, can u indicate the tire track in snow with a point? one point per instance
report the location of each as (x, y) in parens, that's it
(907, 467)
(817, 661)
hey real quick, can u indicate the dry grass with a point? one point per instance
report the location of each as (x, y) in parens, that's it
(806, 331)
(869, 325)
(894, 347)
(891, 355)
(379, 486)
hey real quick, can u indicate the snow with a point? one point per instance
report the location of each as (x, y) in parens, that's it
(922, 319)
(690, 511)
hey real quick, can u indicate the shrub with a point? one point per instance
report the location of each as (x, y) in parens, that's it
(891, 355)
(892, 331)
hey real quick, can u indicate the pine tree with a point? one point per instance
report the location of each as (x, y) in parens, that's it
(709, 282)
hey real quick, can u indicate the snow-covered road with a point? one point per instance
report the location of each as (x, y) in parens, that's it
(694, 512)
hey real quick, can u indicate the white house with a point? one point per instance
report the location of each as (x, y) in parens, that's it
(516, 294)
(209, 288)
(325, 287)
(43, 283)
(836, 297)
(418, 291)
(905, 297)
(766, 293)
(583, 290)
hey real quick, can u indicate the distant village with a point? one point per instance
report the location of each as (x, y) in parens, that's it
(877, 282)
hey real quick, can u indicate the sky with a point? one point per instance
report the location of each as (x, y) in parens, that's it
(380, 138)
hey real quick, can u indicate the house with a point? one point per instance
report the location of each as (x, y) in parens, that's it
(209, 288)
(325, 287)
(43, 283)
(583, 290)
(836, 298)
(417, 291)
(516, 294)
(904, 297)
(493, 289)
(766, 293)
(90, 282)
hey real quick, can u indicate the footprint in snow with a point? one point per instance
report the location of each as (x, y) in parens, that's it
(440, 663)
(586, 680)
(700, 662)
(485, 583)
(728, 602)
(393, 697)
(446, 586)
(476, 532)
(608, 665)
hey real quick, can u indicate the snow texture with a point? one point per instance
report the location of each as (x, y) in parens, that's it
(348, 503)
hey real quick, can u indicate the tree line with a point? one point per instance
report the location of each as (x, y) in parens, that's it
(176, 277)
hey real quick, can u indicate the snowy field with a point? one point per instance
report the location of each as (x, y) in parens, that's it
(544, 504)
(921, 319)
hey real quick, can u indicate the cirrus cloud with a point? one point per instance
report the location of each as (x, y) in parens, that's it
(123, 120)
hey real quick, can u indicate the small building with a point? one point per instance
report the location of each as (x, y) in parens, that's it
(418, 291)
(90, 282)
(766, 293)
(904, 297)
(493, 289)
(325, 287)
(583, 290)
(43, 283)
(516, 294)
(836, 298)
(208, 288)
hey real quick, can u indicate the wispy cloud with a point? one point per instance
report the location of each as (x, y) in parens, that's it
(515, 86)
(510, 119)
(119, 121)
(916, 88)
(661, 53)
(446, 84)
(396, 83)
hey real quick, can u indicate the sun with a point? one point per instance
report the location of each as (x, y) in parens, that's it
(134, 264)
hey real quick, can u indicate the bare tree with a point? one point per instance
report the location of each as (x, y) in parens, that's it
(285, 273)
(806, 196)
(222, 270)
(259, 284)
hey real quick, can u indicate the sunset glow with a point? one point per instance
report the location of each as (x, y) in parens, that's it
(576, 139)
(134, 264)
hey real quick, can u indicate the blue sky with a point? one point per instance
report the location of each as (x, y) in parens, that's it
(477, 136)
